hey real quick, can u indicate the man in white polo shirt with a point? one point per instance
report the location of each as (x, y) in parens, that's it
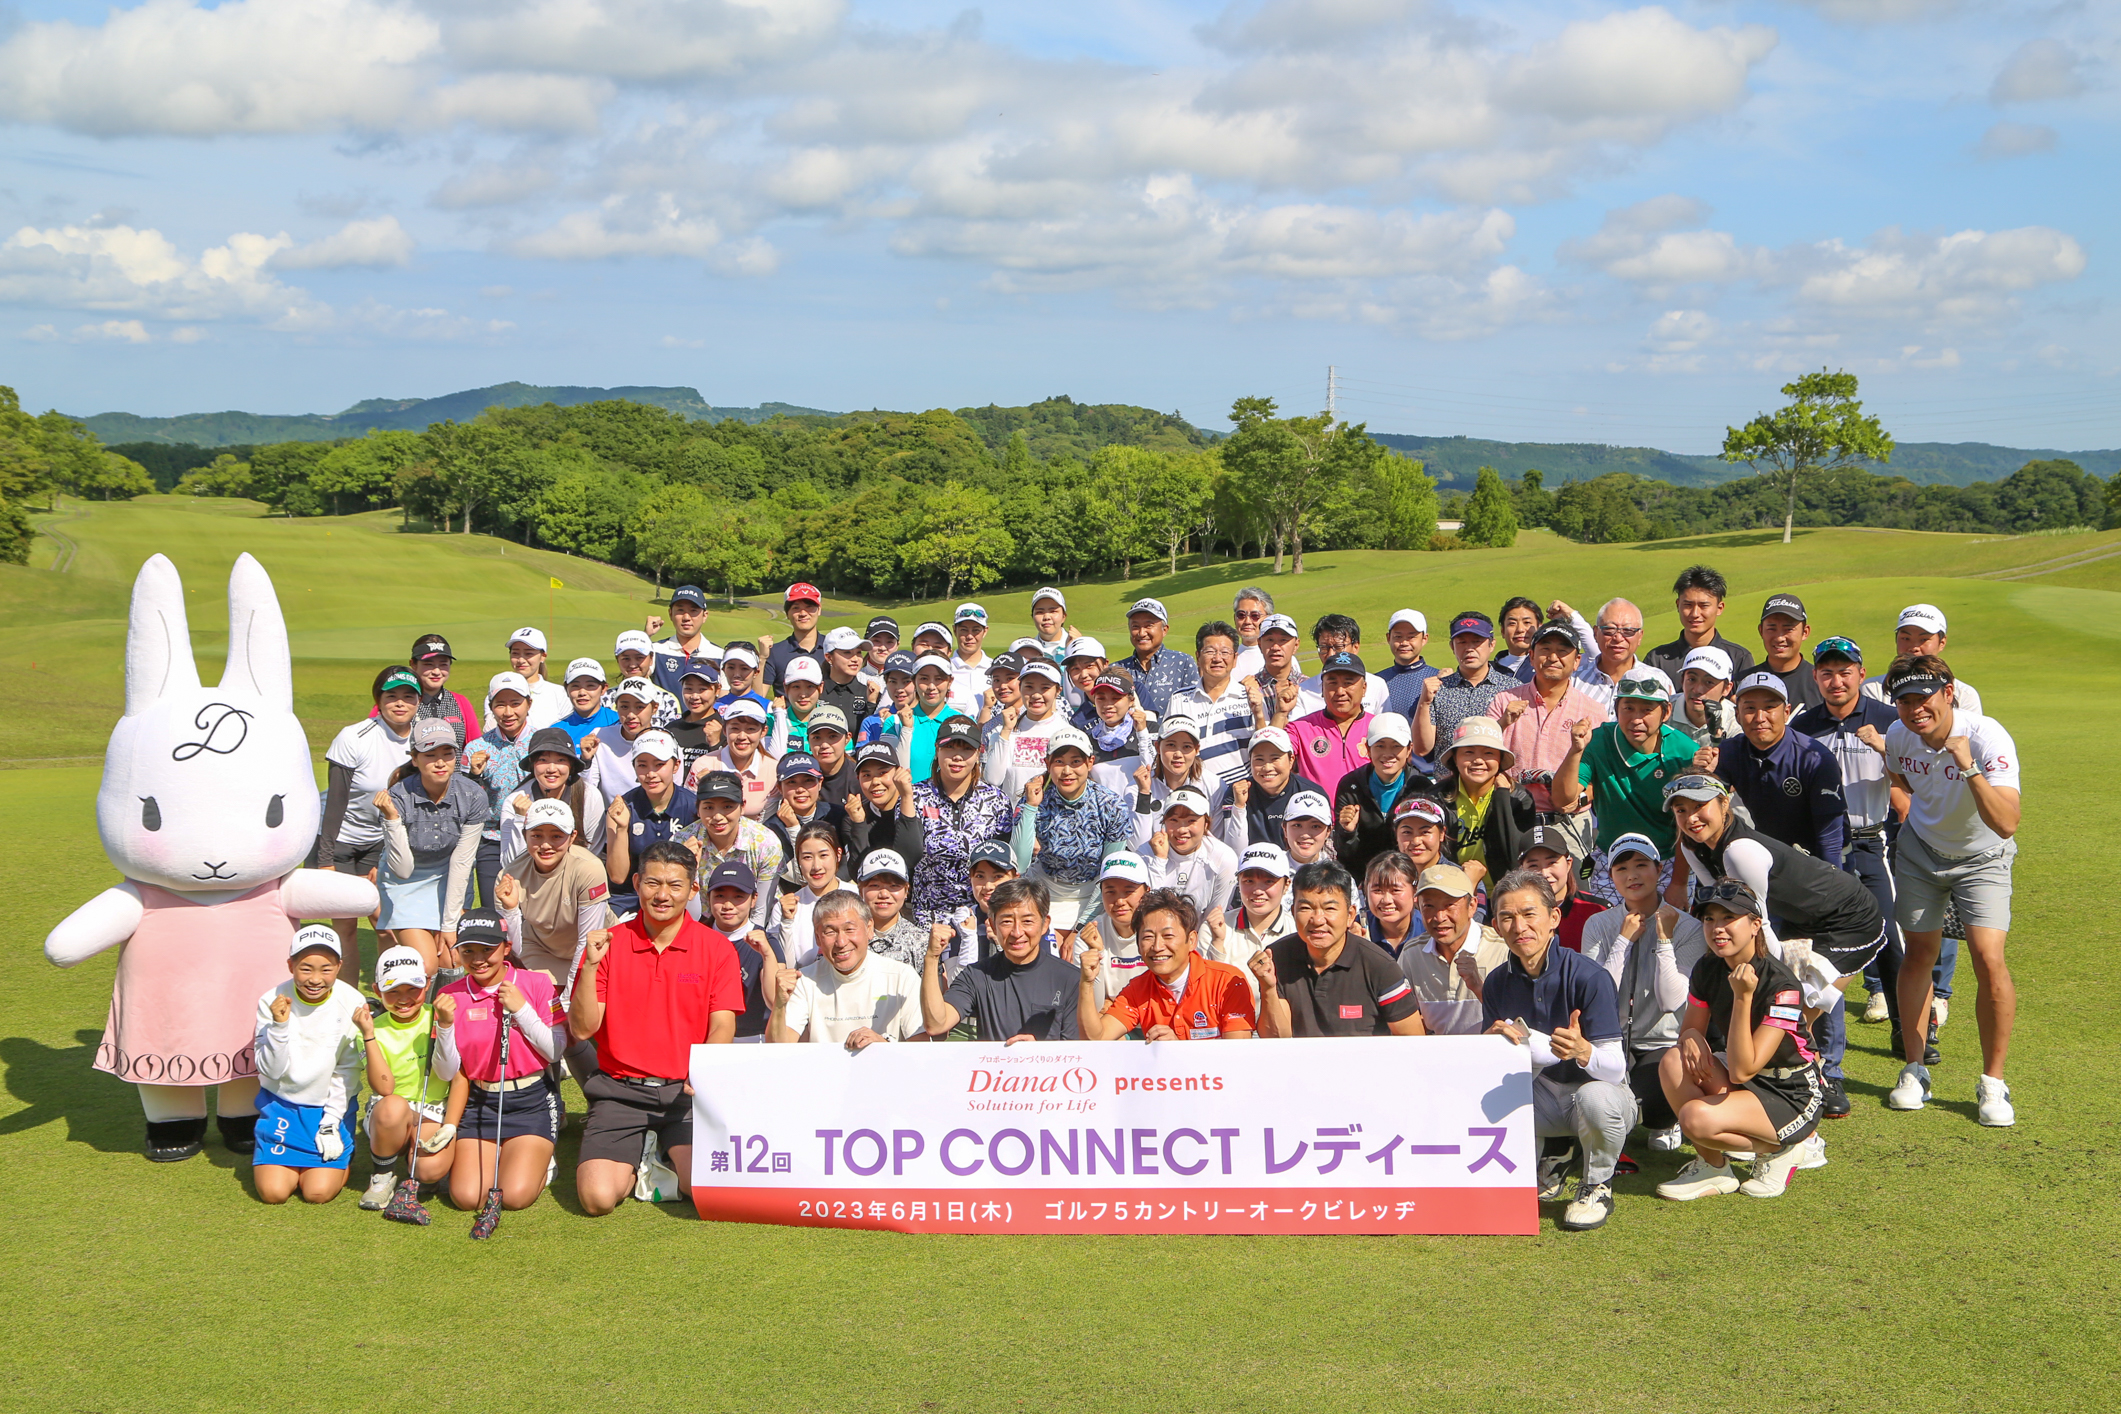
(1446, 970)
(1921, 629)
(548, 700)
(1960, 770)
(850, 996)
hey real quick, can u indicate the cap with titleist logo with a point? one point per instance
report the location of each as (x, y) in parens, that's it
(1787, 605)
(534, 637)
(1153, 607)
(557, 813)
(1927, 617)
(1265, 859)
(1308, 805)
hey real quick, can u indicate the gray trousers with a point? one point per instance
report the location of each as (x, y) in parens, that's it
(1596, 1113)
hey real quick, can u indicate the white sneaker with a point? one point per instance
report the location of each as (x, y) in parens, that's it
(1771, 1174)
(1699, 1179)
(1593, 1205)
(381, 1184)
(1912, 1090)
(1555, 1171)
(1663, 1141)
(1812, 1153)
(1992, 1099)
(1876, 1011)
(1738, 1156)
(1940, 1010)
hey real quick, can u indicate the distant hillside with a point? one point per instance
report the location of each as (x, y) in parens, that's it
(1456, 461)
(222, 429)
(1064, 427)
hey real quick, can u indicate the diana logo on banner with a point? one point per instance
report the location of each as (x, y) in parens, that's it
(1074, 1137)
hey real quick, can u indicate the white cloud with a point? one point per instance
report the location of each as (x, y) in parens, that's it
(2006, 140)
(648, 40)
(121, 331)
(2041, 70)
(1880, 12)
(1968, 276)
(377, 242)
(656, 224)
(1679, 330)
(129, 270)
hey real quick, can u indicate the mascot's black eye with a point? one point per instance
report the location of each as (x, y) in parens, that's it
(274, 813)
(150, 813)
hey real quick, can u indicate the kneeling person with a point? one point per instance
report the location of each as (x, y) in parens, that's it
(850, 996)
(1180, 995)
(649, 990)
(309, 1071)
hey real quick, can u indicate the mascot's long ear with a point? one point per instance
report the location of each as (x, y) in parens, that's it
(157, 638)
(257, 637)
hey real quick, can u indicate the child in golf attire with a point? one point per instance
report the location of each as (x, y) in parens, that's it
(308, 1051)
(406, 1095)
(517, 1112)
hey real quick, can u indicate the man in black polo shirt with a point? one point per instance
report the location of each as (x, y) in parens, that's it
(1783, 629)
(1021, 993)
(1563, 1006)
(1698, 595)
(1320, 981)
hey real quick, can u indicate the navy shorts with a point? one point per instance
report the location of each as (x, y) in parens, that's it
(534, 1111)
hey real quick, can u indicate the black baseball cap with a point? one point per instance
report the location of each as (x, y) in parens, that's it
(992, 852)
(882, 751)
(481, 927)
(961, 731)
(688, 594)
(1473, 622)
(1787, 605)
(882, 624)
(720, 785)
(1913, 682)
(1557, 628)
(900, 662)
(1006, 663)
(431, 645)
(1549, 837)
(733, 874)
(1343, 663)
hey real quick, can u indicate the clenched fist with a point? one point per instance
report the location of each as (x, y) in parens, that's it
(282, 1008)
(508, 892)
(445, 1009)
(596, 947)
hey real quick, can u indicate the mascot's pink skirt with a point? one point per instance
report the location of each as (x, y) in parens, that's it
(185, 1007)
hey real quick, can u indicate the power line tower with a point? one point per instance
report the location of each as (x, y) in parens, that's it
(1332, 396)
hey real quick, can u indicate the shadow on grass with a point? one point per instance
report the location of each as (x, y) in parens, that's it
(59, 1083)
(1727, 540)
(1208, 576)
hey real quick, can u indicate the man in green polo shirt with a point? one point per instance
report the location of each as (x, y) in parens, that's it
(1624, 764)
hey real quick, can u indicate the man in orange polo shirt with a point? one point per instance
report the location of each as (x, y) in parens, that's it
(1180, 995)
(648, 991)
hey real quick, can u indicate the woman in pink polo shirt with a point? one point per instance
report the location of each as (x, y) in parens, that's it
(513, 1114)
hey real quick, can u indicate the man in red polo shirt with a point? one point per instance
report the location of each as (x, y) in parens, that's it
(1180, 996)
(649, 990)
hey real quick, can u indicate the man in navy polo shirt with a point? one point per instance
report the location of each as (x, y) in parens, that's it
(1563, 1006)
(687, 650)
(1790, 783)
(647, 992)
(803, 606)
(1160, 673)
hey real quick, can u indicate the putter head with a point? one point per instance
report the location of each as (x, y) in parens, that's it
(488, 1219)
(405, 1205)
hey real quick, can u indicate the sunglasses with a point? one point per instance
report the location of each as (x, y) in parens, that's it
(1842, 646)
(1696, 781)
(1727, 892)
(1620, 630)
(1633, 686)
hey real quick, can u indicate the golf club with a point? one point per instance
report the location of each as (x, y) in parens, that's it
(489, 1216)
(405, 1205)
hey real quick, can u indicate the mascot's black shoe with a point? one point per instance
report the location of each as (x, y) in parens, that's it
(172, 1140)
(237, 1132)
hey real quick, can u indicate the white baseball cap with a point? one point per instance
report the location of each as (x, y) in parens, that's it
(842, 640)
(1186, 799)
(585, 668)
(633, 641)
(1390, 726)
(740, 653)
(1274, 737)
(1049, 592)
(1763, 681)
(1149, 606)
(1408, 616)
(1708, 659)
(1022, 645)
(314, 935)
(969, 613)
(1308, 805)
(931, 660)
(1042, 668)
(933, 626)
(1069, 736)
(534, 637)
(883, 861)
(508, 682)
(1124, 864)
(401, 966)
(1266, 859)
(1178, 726)
(802, 670)
(744, 709)
(1924, 616)
(1084, 648)
(659, 744)
(640, 689)
(551, 812)
(1279, 623)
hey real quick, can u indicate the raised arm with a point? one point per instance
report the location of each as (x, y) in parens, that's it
(103, 922)
(937, 1015)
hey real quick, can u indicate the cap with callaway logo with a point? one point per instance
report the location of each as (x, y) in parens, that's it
(1126, 865)
(720, 785)
(957, 731)
(884, 862)
(1005, 665)
(432, 734)
(1083, 648)
(1549, 837)
(433, 645)
(733, 874)
(1068, 739)
(688, 594)
(1632, 843)
(402, 677)
(1153, 607)
(1308, 805)
(315, 935)
(1265, 859)
(969, 614)
(1274, 737)
(1927, 617)
(557, 813)
(400, 967)
(1837, 647)
(660, 745)
(842, 640)
(535, 638)
(884, 624)
(1446, 879)
(482, 928)
(797, 763)
(639, 689)
(633, 641)
(992, 852)
(1787, 605)
(900, 662)
(1763, 681)
(507, 682)
(1278, 623)
(797, 592)
(1475, 623)
(1709, 659)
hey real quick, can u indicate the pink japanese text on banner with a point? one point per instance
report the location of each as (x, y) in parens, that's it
(1415, 1135)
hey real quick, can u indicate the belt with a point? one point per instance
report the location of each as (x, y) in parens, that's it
(1867, 832)
(646, 1082)
(522, 1082)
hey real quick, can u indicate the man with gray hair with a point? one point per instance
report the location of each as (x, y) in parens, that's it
(1618, 633)
(850, 996)
(1249, 612)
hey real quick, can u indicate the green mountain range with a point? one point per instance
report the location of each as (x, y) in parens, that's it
(1059, 425)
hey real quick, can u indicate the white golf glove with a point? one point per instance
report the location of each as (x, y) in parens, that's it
(329, 1144)
(438, 1140)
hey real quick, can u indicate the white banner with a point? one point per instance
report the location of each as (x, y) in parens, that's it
(1416, 1134)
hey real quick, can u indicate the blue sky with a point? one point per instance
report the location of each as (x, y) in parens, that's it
(1546, 222)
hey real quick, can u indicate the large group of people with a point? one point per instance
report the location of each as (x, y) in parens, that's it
(1660, 872)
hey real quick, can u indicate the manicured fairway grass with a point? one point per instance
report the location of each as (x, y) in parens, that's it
(1932, 1266)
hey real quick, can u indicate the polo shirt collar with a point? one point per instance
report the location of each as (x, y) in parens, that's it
(644, 941)
(1517, 969)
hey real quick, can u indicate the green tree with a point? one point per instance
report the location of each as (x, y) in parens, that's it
(365, 470)
(1823, 429)
(277, 468)
(1122, 487)
(1535, 504)
(115, 478)
(25, 464)
(2113, 501)
(16, 534)
(1176, 494)
(71, 451)
(1290, 467)
(224, 476)
(662, 532)
(1491, 516)
(960, 536)
(2048, 495)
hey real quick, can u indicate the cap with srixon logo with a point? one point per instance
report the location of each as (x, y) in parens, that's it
(481, 928)
(1787, 605)
(1265, 858)
(1043, 668)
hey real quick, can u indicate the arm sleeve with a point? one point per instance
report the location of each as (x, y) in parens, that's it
(1751, 862)
(544, 1037)
(1586, 640)
(336, 792)
(511, 827)
(460, 864)
(1542, 1048)
(588, 917)
(1026, 837)
(1608, 1062)
(444, 1059)
(1669, 983)
(398, 851)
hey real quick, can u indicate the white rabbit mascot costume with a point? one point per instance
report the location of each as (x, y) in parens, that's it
(208, 803)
